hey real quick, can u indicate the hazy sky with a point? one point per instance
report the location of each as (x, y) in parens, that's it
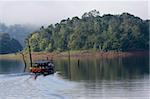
(46, 12)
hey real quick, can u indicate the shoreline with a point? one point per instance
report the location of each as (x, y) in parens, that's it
(75, 55)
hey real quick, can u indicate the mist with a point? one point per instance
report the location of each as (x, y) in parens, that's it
(50, 12)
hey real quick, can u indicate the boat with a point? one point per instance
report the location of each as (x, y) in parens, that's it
(39, 67)
(44, 67)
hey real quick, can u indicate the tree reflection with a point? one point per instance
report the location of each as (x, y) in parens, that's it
(103, 69)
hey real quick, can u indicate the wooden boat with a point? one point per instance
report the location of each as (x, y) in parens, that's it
(44, 67)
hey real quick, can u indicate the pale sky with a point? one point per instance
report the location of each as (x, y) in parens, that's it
(47, 12)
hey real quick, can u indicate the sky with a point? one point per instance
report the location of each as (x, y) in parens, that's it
(50, 12)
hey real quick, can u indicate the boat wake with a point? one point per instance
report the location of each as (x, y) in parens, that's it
(24, 86)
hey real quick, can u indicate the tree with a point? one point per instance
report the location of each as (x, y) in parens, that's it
(8, 44)
(108, 32)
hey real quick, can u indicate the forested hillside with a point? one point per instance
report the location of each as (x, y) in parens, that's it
(8, 44)
(17, 31)
(108, 32)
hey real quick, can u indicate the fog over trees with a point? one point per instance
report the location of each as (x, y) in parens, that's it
(17, 31)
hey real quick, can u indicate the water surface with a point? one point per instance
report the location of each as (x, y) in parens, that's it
(118, 78)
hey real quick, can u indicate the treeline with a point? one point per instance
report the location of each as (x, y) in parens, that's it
(8, 44)
(108, 32)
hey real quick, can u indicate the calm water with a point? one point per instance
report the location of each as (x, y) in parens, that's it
(119, 78)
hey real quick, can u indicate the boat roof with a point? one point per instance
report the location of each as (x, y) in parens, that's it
(41, 61)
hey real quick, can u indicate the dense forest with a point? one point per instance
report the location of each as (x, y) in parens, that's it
(123, 32)
(17, 31)
(8, 44)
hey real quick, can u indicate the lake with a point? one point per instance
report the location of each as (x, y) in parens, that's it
(97, 78)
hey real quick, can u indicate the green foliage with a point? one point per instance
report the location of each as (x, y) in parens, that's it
(8, 45)
(108, 32)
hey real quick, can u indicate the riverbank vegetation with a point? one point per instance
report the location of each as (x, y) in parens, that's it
(123, 32)
(84, 54)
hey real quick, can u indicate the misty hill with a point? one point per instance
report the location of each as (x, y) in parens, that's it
(17, 31)
(108, 32)
(8, 44)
